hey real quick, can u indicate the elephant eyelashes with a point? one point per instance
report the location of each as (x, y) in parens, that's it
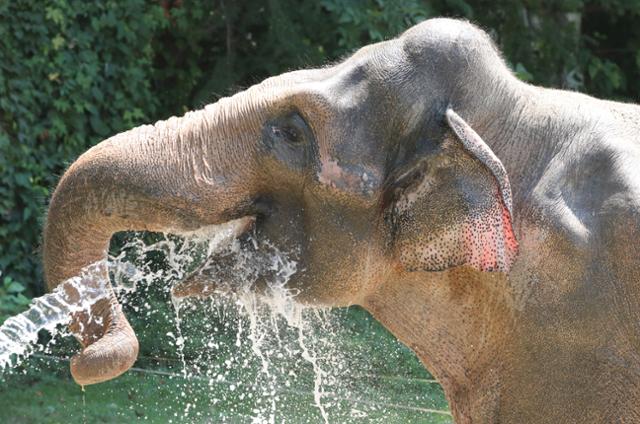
(285, 134)
(289, 138)
(289, 129)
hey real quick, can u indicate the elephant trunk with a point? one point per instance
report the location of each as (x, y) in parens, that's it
(174, 176)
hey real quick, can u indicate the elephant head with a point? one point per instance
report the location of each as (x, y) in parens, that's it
(370, 169)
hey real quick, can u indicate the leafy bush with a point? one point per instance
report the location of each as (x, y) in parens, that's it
(73, 72)
(12, 298)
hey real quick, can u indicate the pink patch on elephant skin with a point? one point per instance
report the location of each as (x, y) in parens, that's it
(354, 179)
(330, 173)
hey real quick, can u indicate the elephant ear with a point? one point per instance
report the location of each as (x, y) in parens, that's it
(453, 207)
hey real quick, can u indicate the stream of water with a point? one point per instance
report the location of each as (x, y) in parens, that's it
(235, 355)
(280, 332)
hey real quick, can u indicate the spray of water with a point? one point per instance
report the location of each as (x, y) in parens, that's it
(232, 268)
(263, 313)
(235, 355)
(19, 334)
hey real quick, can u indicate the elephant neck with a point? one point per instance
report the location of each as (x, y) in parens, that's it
(460, 324)
(499, 360)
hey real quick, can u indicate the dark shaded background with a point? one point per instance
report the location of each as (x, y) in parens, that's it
(73, 72)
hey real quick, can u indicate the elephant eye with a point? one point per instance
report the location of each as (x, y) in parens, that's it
(289, 139)
(288, 130)
(286, 134)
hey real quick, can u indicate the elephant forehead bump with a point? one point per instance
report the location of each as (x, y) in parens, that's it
(444, 34)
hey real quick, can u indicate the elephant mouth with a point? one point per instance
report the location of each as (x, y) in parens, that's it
(250, 262)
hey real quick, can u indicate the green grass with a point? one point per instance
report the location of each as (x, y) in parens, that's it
(47, 397)
(369, 376)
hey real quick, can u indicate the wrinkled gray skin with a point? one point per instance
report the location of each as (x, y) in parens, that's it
(380, 171)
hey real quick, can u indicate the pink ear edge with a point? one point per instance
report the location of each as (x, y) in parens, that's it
(489, 245)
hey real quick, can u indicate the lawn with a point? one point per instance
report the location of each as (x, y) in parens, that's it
(218, 375)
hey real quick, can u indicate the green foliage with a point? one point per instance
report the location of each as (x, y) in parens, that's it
(71, 73)
(12, 298)
(74, 72)
(362, 22)
(583, 45)
(211, 49)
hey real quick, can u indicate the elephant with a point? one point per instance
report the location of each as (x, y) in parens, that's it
(489, 224)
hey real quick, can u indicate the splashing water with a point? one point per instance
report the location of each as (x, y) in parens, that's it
(262, 311)
(239, 351)
(19, 334)
(239, 269)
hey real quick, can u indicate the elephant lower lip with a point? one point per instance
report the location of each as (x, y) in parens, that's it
(199, 286)
(244, 225)
(202, 284)
(249, 263)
